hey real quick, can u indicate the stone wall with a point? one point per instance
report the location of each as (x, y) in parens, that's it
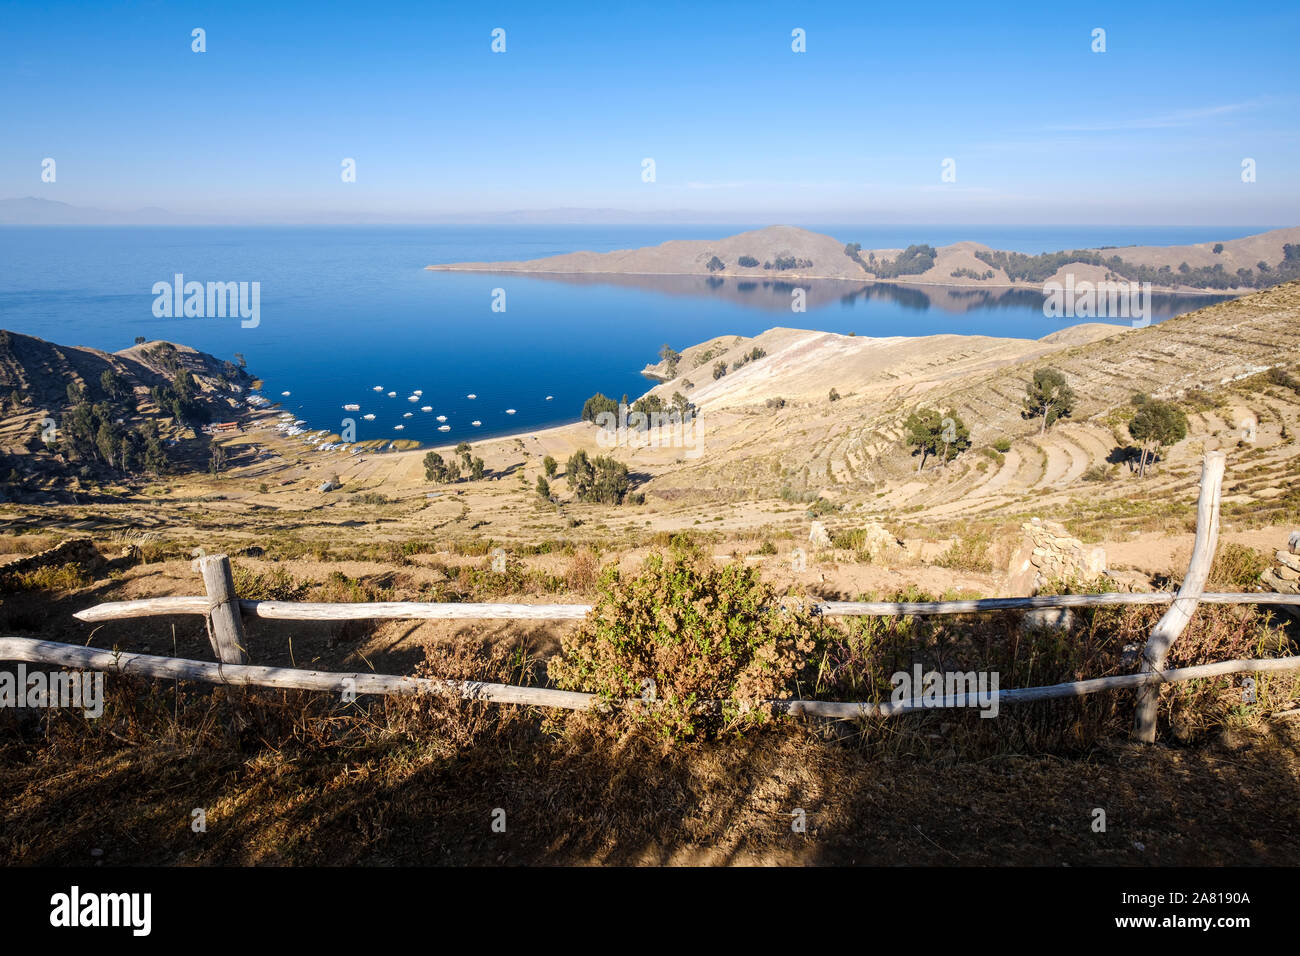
(877, 541)
(73, 551)
(1284, 576)
(1050, 553)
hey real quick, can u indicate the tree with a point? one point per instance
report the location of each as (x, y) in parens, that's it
(476, 469)
(932, 432)
(648, 404)
(239, 357)
(716, 264)
(600, 479)
(218, 460)
(184, 386)
(956, 437)
(139, 340)
(596, 405)
(1156, 425)
(437, 470)
(834, 395)
(719, 370)
(1048, 397)
(550, 466)
(112, 384)
(1218, 247)
(612, 481)
(670, 357)
(578, 471)
(155, 454)
(543, 487)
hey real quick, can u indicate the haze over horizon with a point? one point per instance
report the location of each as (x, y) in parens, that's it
(1040, 129)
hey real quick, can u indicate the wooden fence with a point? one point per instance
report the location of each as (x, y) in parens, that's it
(225, 612)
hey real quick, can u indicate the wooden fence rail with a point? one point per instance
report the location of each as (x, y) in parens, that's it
(146, 665)
(397, 610)
(224, 613)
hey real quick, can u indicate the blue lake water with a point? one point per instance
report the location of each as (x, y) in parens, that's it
(346, 308)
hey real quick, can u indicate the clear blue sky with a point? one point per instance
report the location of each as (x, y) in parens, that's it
(1042, 129)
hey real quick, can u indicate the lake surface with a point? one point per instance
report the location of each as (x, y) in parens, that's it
(344, 309)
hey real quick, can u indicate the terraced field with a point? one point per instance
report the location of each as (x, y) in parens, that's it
(1208, 361)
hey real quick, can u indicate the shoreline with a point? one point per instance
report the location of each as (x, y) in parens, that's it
(1163, 290)
(555, 429)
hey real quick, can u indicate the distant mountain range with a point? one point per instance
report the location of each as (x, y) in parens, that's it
(31, 211)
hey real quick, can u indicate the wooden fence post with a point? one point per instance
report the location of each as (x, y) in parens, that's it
(1180, 612)
(225, 628)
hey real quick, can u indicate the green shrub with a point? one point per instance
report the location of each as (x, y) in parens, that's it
(700, 632)
(277, 585)
(849, 539)
(968, 554)
(820, 507)
(63, 577)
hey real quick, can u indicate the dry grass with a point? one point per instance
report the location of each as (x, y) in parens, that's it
(299, 779)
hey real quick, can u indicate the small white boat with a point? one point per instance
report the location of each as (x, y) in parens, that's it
(408, 414)
(398, 428)
(471, 395)
(392, 394)
(285, 394)
(476, 423)
(417, 392)
(412, 398)
(426, 408)
(549, 397)
(352, 408)
(379, 388)
(444, 428)
(442, 418)
(510, 411)
(369, 418)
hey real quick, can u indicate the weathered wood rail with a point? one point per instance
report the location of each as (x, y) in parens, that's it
(396, 610)
(146, 665)
(224, 613)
